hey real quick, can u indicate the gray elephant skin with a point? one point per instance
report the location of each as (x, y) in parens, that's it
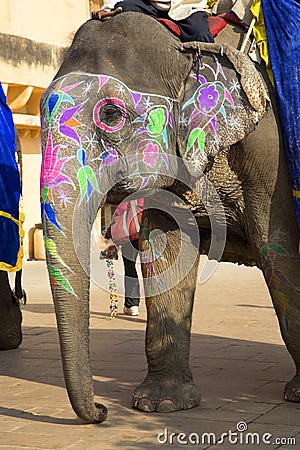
(133, 111)
(10, 315)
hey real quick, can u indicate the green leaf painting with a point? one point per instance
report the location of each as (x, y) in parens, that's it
(82, 181)
(277, 249)
(52, 249)
(196, 137)
(60, 279)
(85, 174)
(157, 121)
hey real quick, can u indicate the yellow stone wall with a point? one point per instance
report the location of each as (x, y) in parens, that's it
(33, 35)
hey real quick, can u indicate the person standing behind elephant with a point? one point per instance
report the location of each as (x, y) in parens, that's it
(191, 16)
(124, 231)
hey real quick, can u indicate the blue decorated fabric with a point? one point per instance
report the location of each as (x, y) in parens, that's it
(282, 23)
(10, 189)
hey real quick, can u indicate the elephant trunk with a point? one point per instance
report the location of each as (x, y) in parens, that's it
(71, 195)
(68, 260)
(72, 314)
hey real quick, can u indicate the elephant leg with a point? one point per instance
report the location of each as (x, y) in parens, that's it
(271, 224)
(169, 383)
(10, 316)
(281, 268)
(19, 292)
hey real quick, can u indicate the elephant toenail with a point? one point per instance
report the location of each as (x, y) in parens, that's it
(292, 395)
(146, 405)
(167, 405)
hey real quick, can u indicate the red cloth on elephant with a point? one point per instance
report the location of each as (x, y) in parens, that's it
(216, 24)
(126, 221)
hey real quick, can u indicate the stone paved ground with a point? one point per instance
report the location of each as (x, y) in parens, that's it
(237, 357)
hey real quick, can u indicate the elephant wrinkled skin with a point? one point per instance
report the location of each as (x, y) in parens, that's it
(128, 113)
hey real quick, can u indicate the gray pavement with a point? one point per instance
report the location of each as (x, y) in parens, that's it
(237, 357)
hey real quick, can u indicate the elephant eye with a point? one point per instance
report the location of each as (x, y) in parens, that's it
(110, 114)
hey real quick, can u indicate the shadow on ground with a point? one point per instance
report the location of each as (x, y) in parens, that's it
(225, 370)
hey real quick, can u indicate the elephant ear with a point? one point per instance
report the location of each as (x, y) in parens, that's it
(224, 99)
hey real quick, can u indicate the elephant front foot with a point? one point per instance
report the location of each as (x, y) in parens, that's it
(292, 390)
(159, 395)
(10, 326)
(11, 341)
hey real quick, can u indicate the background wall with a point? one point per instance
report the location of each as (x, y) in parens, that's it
(33, 37)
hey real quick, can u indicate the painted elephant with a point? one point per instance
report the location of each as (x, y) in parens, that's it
(132, 110)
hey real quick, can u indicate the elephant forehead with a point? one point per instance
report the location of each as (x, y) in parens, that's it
(94, 122)
(76, 88)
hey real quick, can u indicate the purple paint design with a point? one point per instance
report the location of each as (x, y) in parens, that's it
(170, 121)
(201, 78)
(136, 97)
(208, 98)
(153, 111)
(214, 124)
(144, 182)
(67, 131)
(140, 131)
(109, 157)
(67, 123)
(69, 113)
(165, 159)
